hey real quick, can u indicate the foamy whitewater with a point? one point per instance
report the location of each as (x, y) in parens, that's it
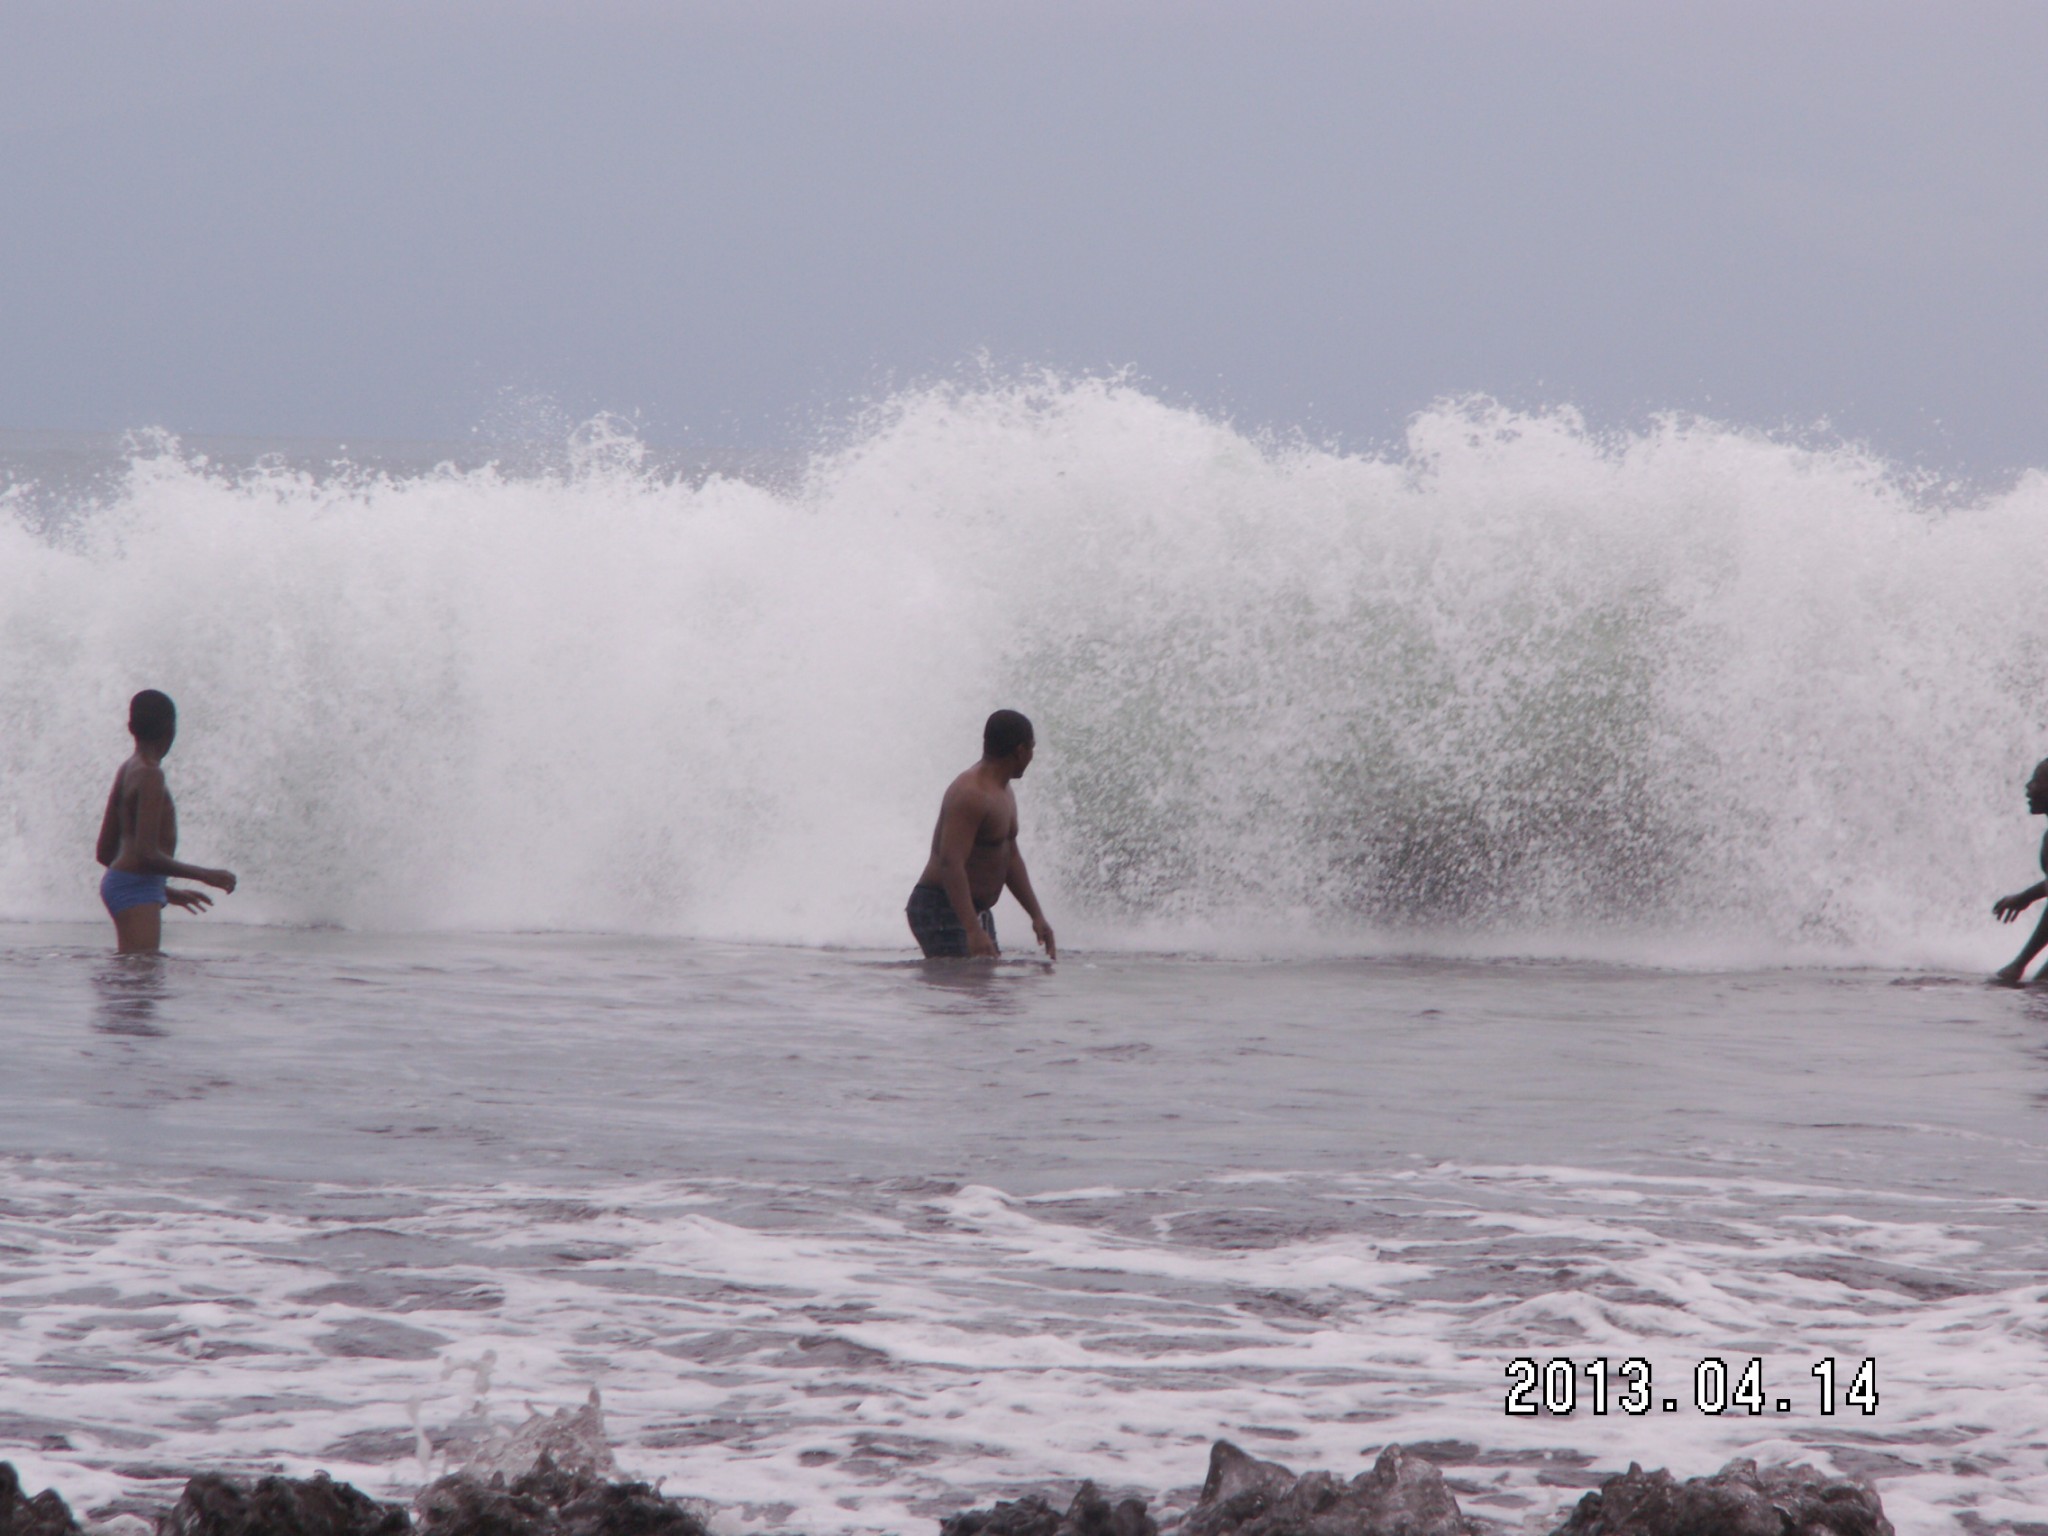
(1523, 895)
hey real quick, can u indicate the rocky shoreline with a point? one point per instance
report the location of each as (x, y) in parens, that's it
(1403, 1494)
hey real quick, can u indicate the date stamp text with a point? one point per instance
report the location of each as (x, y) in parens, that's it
(1562, 1386)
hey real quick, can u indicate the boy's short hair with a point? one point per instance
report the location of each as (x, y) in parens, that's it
(151, 715)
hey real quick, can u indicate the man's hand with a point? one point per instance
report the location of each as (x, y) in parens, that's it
(1043, 929)
(222, 880)
(979, 945)
(186, 897)
(2006, 908)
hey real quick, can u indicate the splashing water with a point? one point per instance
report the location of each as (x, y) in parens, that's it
(1517, 682)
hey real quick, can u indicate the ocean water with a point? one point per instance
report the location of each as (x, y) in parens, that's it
(846, 1242)
(1523, 896)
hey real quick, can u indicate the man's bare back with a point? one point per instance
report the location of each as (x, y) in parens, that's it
(974, 855)
(138, 840)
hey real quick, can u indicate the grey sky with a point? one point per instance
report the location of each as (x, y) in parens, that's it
(373, 219)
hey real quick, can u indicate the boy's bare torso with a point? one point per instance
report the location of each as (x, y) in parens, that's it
(124, 803)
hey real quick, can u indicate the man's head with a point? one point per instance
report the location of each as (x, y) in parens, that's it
(2037, 789)
(1007, 738)
(152, 718)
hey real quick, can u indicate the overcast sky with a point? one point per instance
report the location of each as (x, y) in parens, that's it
(385, 219)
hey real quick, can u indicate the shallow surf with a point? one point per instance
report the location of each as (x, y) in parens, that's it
(848, 1243)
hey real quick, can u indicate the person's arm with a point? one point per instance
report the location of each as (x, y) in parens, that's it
(110, 826)
(1020, 887)
(2014, 973)
(2006, 908)
(149, 842)
(959, 819)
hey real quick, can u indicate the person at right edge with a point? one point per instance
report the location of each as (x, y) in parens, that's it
(974, 853)
(2006, 908)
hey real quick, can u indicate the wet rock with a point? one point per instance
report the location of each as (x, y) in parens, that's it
(549, 1501)
(44, 1515)
(1238, 1488)
(1028, 1516)
(1738, 1500)
(213, 1505)
(1089, 1515)
(1402, 1495)
(459, 1502)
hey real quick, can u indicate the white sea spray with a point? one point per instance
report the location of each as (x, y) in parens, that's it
(1513, 677)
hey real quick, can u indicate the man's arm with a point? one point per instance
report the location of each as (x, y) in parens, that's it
(2006, 908)
(1020, 887)
(149, 840)
(110, 825)
(960, 817)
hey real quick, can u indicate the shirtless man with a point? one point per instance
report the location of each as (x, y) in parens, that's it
(974, 852)
(2006, 908)
(139, 835)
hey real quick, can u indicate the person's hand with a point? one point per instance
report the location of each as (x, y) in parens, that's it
(2006, 908)
(979, 945)
(184, 896)
(2008, 975)
(1043, 929)
(222, 880)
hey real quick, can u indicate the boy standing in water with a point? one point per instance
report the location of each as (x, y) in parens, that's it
(2006, 908)
(974, 852)
(139, 835)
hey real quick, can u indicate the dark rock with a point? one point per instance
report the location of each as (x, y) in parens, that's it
(459, 1503)
(1403, 1495)
(1239, 1488)
(1028, 1516)
(1738, 1500)
(1089, 1515)
(550, 1501)
(44, 1515)
(627, 1509)
(213, 1505)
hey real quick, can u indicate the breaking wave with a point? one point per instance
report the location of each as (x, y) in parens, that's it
(1514, 681)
